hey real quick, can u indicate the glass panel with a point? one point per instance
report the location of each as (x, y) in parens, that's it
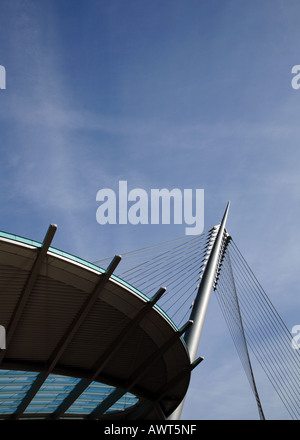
(90, 398)
(54, 390)
(15, 384)
(13, 388)
(125, 402)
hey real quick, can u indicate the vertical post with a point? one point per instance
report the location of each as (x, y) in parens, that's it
(193, 334)
(2, 338)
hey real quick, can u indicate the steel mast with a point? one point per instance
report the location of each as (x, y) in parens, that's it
(193, 334)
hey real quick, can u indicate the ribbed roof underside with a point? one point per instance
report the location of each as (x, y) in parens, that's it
(81, 343)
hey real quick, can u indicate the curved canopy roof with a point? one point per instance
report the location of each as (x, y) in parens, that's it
(80, 342)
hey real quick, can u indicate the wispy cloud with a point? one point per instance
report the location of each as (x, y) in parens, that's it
(62, 152)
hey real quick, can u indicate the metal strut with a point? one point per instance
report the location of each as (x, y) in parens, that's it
(193, 334)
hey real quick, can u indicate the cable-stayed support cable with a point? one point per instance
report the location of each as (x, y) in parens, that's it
(263, 330)
(231, 310)
(176, 264)
(253, 322)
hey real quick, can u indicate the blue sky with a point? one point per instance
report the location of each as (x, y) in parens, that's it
(175, 94)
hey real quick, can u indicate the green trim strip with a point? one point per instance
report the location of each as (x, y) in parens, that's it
(85, 263)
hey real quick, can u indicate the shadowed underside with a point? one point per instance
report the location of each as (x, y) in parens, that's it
(80, 342)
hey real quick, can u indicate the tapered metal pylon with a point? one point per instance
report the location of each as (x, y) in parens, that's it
(193, 334)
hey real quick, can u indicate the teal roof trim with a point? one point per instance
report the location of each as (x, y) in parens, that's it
(85, 263)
